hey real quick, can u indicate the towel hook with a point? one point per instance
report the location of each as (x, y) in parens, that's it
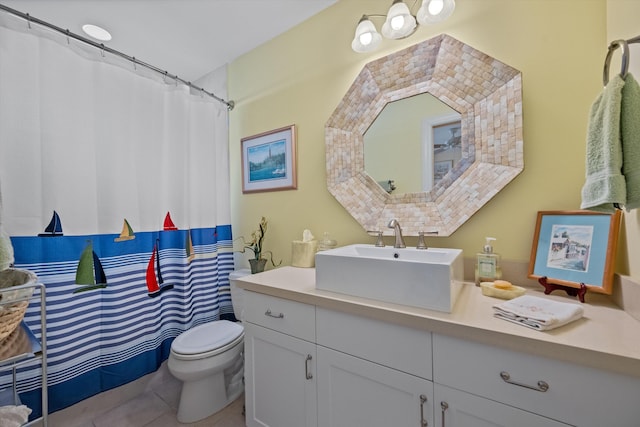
(625, 59)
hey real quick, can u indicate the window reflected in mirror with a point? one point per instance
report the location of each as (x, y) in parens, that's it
(412, 144)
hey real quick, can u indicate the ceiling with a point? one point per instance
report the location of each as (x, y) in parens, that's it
(187, 38)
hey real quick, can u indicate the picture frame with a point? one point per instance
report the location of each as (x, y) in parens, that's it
(575, 249)
(440, 169)
(446, 133)
(442, 147)
(269, 161)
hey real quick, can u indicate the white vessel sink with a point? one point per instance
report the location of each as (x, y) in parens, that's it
(427, 278)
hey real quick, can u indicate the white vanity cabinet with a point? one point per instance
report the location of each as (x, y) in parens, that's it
(280, 360)
(377, 364)
(455, 408)
(372, 373)
(482, 382)
(357, 372)
(356, 392)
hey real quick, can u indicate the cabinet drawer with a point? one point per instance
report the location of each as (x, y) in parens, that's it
(289, 317)
(398, 347)
(576, 394)
(460, 409)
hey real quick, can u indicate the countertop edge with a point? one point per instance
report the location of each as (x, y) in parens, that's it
(301, 288)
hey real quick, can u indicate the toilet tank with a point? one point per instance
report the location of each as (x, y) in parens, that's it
(237, 294)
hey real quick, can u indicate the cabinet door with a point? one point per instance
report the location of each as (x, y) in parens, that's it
(280, 379)
(456, 408)
(355, 392)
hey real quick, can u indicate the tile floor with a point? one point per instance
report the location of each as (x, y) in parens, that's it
(149, 401)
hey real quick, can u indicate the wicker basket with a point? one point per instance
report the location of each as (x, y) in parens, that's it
(17, 342)
(12, 313)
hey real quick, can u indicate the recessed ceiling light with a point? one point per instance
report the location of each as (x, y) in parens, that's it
(96, 32)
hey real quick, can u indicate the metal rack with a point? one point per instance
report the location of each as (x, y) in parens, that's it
(32, 349)
(624, 68)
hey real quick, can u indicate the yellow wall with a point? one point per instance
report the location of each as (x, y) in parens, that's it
(299, 78)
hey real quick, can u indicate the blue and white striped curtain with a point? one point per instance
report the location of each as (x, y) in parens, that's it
(108, 148)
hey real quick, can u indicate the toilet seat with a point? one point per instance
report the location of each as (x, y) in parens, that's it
(207, 340)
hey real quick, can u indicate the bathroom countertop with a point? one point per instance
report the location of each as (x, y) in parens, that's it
(605, 338)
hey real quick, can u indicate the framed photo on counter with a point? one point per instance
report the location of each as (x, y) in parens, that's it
(572, 248)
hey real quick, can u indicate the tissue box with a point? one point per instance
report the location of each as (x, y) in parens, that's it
(303, 254)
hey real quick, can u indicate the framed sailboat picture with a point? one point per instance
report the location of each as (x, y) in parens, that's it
(269, 161)
(575, 249)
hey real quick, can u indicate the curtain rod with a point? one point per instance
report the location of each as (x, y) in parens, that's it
(230, 104)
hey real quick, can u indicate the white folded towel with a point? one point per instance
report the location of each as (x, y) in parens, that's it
(14, 416)
(537, 313)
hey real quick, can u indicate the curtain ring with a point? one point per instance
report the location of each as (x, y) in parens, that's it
(201, 92)
(134, 63)
(67, 33)
(28, 21)
(102, 49)
(164, 77)
(624, 69)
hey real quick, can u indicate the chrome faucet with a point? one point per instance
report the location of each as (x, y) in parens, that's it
(398, 232)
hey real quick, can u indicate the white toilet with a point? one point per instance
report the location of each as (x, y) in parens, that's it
(209, 361)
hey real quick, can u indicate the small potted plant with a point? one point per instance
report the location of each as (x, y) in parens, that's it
(255, 245)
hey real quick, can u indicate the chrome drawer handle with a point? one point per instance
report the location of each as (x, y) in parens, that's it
(542, 386)
(278, 316)
(443, 406)
(307, 372)
(423, 400)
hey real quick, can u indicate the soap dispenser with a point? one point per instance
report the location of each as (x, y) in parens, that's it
(487, 264)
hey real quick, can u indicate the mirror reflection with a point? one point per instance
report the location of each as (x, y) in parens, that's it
(485, 92)
(413, 144)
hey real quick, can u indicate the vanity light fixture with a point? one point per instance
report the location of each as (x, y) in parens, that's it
(96, 32)
(399, 22)
(433, 11)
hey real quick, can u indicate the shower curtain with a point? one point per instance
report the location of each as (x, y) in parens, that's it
(106, 165)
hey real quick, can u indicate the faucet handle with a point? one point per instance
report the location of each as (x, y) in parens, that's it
(421, 244)
(379, 241)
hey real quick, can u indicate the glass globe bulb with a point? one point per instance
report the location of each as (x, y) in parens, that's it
(434, 11)
(436, 6)
(365, 38)
(397, 22)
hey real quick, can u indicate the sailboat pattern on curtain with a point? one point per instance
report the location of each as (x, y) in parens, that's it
(155, 282)
(54, 229)
(126, 233)
(102, 339)
(90, 274)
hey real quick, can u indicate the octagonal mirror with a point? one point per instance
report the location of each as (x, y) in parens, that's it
(486, 97)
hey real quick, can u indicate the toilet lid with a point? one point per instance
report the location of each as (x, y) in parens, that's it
(207, 337)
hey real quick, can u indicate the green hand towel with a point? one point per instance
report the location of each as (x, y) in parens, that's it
(605, 184)
(630, 131)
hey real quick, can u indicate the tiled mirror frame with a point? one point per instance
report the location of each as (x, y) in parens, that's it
(488, 95)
